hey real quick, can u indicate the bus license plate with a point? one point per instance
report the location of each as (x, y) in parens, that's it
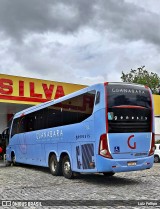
(131, 163)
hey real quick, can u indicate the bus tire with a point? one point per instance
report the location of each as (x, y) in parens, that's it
(13, 160)
(108, 174)
(54, 166)
(66, 168)
(8, 163)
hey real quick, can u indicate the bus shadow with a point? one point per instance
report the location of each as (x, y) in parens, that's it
(98, 179)
(34, 167)
(103, 180)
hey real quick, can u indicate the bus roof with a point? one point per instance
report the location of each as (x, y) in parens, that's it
(46, 104)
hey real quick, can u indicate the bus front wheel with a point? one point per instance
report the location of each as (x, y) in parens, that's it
(66, 168)
(13, 159)
(54, 166)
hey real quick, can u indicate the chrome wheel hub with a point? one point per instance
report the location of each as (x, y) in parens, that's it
(54, 166)
(67, 167)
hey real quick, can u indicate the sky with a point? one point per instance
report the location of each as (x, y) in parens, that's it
(79, 41)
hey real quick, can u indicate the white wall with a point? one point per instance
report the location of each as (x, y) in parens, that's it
(157, 128)
(157, 125)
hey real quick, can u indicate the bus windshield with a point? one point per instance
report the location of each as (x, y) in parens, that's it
(129, 108)
(128, 95)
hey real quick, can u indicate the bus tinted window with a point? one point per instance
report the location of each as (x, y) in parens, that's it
(129, 109)
(128, 95)
(14, 127)
(70, 111)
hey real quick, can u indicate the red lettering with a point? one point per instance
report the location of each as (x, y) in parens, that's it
(134, 146)
(48, 91)
(32, 91)
(6, 86)
(59, 92)
(21, 88)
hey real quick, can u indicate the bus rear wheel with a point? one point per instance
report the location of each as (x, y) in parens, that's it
(108, 174)
(66, 168)
(54, 166)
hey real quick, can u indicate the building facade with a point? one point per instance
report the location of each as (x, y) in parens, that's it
(18, 93)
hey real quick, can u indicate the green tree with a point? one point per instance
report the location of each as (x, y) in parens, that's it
(142, 76)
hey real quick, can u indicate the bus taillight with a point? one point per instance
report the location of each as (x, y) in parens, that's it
(103, 147)
(152, 149)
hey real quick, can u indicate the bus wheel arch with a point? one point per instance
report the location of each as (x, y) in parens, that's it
(54, 165)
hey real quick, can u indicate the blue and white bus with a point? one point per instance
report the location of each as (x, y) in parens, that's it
(105, 128)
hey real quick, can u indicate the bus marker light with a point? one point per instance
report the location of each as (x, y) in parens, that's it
(103, 147)
(92, 165)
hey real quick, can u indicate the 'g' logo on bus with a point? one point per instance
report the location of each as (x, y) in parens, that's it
(129, 144)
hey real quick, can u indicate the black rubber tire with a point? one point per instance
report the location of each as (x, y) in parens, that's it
(108, 174)
(54, 166)
(13, 160)
(8, 163)
(66, 168)
(156, 159)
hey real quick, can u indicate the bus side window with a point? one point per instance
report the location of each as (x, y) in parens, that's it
(30, 123)
(78, 108)
(97, 97)
(54, 117)
(21, 125)
(71, 111)
(39, 119)
(14, 127)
